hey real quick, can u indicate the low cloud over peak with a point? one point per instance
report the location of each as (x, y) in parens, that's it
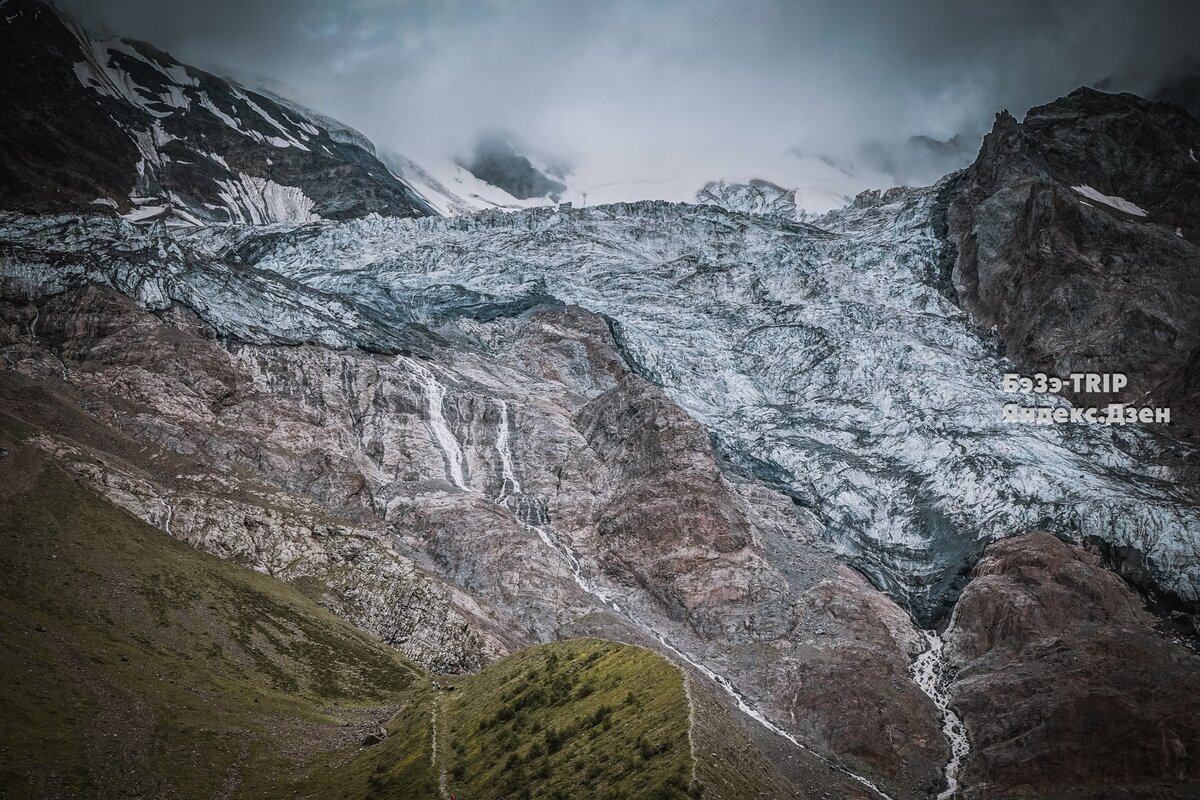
(676, 90)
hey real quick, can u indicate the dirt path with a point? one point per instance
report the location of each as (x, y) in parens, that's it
(687, 692)
(437, 764)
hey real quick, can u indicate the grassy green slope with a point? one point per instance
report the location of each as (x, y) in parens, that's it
(582, 718)
(134, 665)
(585, 718)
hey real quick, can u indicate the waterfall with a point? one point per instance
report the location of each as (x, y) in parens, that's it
(511, 485)
(170, 513)
(435, 396)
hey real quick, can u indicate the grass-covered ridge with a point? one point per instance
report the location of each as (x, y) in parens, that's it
(575, 719)
(585, 718)
(135, 665)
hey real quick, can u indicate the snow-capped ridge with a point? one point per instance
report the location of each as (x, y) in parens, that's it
(131, 121)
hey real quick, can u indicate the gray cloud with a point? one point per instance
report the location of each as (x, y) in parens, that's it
(705, 85)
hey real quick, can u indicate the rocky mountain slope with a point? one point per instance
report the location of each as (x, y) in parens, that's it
(460, 461)
(771, 452)
(1076, 234)
(135, 665)
(1097, 699)
(522, 483)
(193, 677)
(120, 125)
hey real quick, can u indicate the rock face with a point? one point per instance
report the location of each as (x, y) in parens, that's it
(164, 422)
(1078, 236)
(666, 497)
(1066, 688)
(121, 125)
(497, 162)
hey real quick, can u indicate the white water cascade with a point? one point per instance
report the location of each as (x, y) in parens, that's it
(435, 396)
(510, 485)
(929, 672)
(169, 514)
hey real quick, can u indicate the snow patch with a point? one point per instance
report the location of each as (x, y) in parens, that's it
(451, 190)
(1119, 203)
(260, 201)
(207, 102)
(286, 141)
(214, 157)
(144, 212)
(175, 98)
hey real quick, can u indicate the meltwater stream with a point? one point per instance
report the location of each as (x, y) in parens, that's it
(929, 672)
(508, 475)
(435, 396)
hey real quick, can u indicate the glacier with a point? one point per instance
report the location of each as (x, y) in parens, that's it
(827, 359)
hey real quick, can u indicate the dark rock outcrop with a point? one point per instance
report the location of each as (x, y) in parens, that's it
(496, 161)
(1078, 236)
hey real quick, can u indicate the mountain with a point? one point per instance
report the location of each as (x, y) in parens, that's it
(522, 483)
(1077, 234)
(121, 125)
(1182, 90)
(919, 160)
(451, 190)
(656, 499)
(496, 161)
(500, 176)
(497, 175)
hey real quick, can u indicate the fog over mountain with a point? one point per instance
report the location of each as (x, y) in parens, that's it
(672, 90)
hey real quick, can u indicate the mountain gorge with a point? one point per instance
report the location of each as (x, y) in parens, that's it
(640, 500)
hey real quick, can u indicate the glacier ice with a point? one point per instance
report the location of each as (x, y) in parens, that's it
(825, 359)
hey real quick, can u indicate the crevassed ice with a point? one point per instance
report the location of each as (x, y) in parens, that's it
(259, 201)
(827, 362)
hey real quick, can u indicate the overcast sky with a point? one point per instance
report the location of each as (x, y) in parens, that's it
(633, 83)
